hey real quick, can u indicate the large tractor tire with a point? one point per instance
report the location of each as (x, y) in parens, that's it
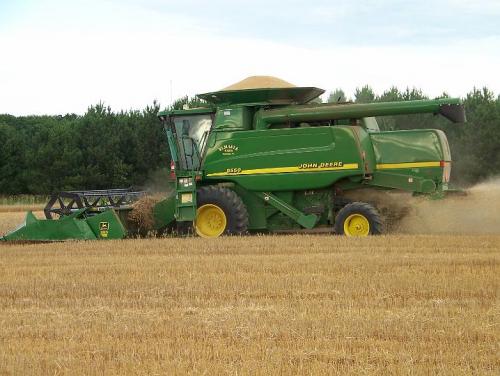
(220, 212)
(358, 219)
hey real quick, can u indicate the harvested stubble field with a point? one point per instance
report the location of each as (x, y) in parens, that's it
(19, 208)
(297, 304)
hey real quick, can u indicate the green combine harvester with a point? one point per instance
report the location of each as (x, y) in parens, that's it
(268, 160)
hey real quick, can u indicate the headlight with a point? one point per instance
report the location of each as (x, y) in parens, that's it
(186, 182)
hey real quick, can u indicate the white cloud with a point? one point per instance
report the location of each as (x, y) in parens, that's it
(60, 60)
(477, 6)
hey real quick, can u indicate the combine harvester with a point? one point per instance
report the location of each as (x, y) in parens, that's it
(269, 160)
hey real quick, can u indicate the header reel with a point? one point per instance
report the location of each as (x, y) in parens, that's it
(96, 201)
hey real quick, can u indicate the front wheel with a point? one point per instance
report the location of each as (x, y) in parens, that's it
(358, 219)
(220, 212)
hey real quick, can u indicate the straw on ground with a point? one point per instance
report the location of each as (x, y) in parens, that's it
(297, 304)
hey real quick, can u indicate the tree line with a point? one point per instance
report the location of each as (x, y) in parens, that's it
(105, 149)
(101, 149)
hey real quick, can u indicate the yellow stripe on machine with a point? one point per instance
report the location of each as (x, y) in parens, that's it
(385, 166)
(281, 170)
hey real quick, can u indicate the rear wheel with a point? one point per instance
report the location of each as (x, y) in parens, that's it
(220, 212)
(358, 219)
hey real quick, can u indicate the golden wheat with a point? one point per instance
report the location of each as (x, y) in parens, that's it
(20, 208)
(11, 220)
(298, 304)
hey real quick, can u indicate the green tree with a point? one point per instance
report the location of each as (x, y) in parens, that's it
(364, 95)
(337, 95)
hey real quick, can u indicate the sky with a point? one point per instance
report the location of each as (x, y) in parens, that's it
(59, 57)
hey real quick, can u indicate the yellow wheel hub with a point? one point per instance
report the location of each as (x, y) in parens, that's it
(356, 225)
(210, 221)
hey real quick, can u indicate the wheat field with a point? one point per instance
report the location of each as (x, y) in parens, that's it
(298, 304)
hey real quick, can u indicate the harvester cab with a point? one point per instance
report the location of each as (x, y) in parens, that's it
(187, 133)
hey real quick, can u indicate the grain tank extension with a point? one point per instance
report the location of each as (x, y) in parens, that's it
(271, 160)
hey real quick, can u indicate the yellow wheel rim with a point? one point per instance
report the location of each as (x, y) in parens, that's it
(210, 221)
(356, 225)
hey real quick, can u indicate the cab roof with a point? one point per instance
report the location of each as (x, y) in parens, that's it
(263, 96)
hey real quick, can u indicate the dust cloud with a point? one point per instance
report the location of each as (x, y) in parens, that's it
(476, 212)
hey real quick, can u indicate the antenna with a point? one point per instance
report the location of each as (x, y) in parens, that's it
(171, 95)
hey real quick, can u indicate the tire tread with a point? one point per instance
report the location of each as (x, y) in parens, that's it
(359, 207)
(233, 206)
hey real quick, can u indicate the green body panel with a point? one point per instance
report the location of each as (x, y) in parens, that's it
(318, 157)
(185, 198)
(164, 212)
(256, 208)
(410, 160)
(400, 179)
(172, 146)
(410, 146)
(234, 118)
(76, 226)
(110, 219)
(284, 210)
(283, 159)
(306, 221)
(364, 143)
